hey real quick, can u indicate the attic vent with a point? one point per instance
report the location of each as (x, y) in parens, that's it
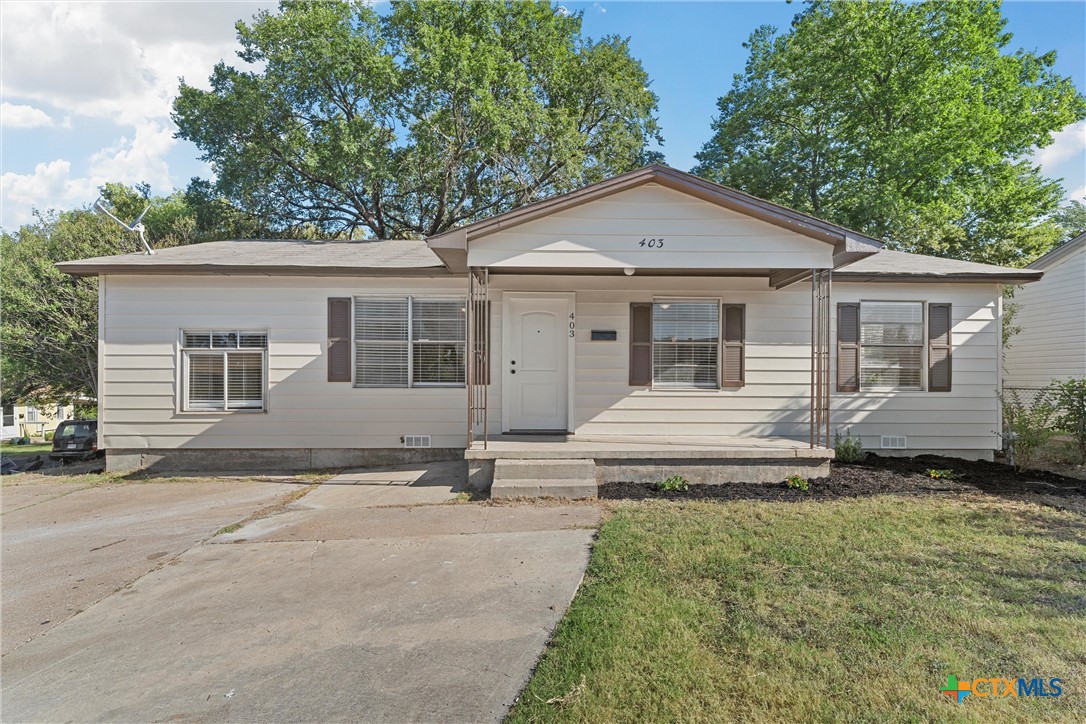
(416, 440)
(893, 442)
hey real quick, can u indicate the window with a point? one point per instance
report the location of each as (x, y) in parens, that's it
(891, 345)
(32, 414)
(410, 342)
(9, 416)
(685, 344)
(224, 370)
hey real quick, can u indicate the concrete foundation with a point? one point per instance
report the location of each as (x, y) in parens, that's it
(285, 460)
(710, 472)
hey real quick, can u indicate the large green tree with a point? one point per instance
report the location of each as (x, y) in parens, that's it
(411, 122)
(910, 121)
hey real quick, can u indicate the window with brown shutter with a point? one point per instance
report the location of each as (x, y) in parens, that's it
(848, 347)
(640, 344)
(733, 350)
(339, 339)
(939, 347)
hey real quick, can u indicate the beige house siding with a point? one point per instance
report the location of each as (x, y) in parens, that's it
(774, 398)
(1052, 317)
(141, 362)
(607, 233)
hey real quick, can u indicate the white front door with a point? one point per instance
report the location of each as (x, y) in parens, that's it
(536, 373)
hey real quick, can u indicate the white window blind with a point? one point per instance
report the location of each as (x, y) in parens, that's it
(686, 344)
(410, 342)
(225, 369)
(438, 338)
(892, 345)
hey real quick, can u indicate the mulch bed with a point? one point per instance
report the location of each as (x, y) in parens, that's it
(879, 476)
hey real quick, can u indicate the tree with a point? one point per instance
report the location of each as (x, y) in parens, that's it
(49, 322)
(1071, 219)
(413, 122)
(907, 121)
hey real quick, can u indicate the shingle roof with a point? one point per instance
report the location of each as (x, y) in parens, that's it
(406, 257)
(299, 257)
(888, 265)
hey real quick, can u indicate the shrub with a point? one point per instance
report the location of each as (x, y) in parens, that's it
(795, 482)
(674, 484)
(1027, 425)
(49, 436)
(942, 474)
(1069, 397)
(848, 449)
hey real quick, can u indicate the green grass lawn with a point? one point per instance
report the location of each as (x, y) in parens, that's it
(36, 449)
(848, 610)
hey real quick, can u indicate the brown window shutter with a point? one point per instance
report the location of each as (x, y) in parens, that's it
(640, 344)
(480, 332)
(733, 351)
(848, 347)
(339, 339)
(939, 346)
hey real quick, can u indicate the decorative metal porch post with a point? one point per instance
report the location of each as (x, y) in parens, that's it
(478, 354)
(821, 284)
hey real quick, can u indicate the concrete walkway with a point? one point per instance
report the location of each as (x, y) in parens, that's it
(339, 608)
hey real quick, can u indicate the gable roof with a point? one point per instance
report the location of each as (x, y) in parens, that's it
(889, 266)
(451, 245)
(1060, 253)
(280, 257)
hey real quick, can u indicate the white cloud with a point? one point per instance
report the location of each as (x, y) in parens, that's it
(52, 185)
(1078, 194)
(21, 116)
(117, 62)
(1066, 144)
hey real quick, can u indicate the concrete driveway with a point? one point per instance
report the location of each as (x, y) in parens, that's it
(373, 600)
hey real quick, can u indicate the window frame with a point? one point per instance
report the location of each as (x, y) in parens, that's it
(410, 343)
(717, 385)
(185, 405)
(922, 344)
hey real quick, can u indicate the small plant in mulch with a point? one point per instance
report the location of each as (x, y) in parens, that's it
(674, 484)
(795, 482)
(946, 474)
(848, 449)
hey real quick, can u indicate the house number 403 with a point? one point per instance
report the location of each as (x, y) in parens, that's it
(572, 325)
(652, 243)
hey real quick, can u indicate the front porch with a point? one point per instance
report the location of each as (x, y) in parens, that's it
(572, 465)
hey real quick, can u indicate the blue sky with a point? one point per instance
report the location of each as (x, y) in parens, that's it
(87, 87)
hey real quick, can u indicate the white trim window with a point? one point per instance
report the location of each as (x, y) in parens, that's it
(224, 369)
(410, 341)
(891, 345)
(686, 344)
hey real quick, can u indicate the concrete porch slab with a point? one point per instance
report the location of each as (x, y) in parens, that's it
(599, 447)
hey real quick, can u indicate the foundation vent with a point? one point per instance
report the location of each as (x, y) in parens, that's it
(894, 442)
(416, 440)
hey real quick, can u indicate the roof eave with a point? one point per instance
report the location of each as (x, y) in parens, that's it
(82, 269)
(994, 278)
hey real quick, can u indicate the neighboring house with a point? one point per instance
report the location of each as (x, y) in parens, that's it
(1051, 341)
(654, 317)
(30, 421)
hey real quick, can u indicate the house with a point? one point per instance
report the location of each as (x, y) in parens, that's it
(650, 320)
(30, 421)
(1051, 341)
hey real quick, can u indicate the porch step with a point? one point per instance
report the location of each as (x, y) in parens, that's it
(551, 478)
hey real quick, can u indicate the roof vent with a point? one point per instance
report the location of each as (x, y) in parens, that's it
(416, 440)
(893, 442)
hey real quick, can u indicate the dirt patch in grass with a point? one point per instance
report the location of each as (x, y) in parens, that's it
(887, 475)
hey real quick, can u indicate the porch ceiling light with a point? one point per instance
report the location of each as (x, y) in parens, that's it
(628, 271)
